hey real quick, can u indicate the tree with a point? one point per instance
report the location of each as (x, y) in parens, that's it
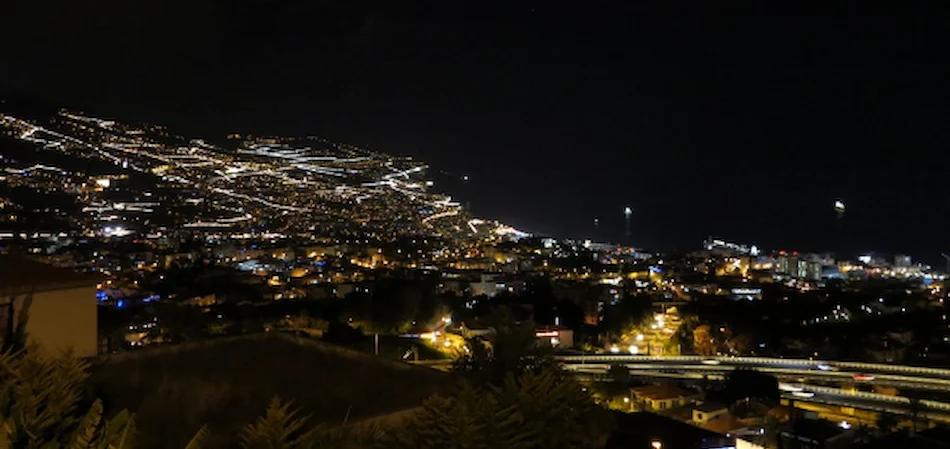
(750, 384)
(887, 422)
(771, 429)
(619, 380)
(539, 408)
(343, 334)
(703, 341)
(739, 344)
(534, 410)
(627, 314)
(683, 337)
(280, 427)
(39, 406)
(390, 309)
(303, 320)
(217, 328)
(862, 433)
(465, 420)
(15, 335)
(514, 350)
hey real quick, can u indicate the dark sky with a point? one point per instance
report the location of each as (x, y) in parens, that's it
(742, 123)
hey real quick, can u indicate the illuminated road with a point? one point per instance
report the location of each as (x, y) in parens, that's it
(790, 374)
(796, 376)
(262, 177)
(805, 366)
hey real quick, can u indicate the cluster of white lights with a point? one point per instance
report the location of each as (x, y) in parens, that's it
(116, 231)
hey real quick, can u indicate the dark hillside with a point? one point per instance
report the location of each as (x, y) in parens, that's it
(227, 384)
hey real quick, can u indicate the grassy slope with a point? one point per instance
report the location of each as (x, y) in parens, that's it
(227, 384)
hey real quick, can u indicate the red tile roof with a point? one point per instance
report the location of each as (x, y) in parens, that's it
(19, 275)
(661, 392)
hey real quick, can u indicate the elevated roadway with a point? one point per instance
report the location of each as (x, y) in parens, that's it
(797, 376)
(803, 380)
(765, 363)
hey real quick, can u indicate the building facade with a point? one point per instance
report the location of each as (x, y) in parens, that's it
(63, 312)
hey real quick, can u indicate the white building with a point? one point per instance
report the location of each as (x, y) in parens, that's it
(63, 313)
(556, 337)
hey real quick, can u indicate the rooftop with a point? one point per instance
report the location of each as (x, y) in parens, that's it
(926, 439)
(723, 424)
(709, 406)
(640, 429)
(813, 429)
(661, 392)
(21, 275)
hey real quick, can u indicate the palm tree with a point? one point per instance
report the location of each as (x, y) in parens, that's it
(15, 336)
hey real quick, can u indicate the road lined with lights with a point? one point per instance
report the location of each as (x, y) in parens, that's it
(763, 363)
(799, 370)
(796, 391)
(899, 381)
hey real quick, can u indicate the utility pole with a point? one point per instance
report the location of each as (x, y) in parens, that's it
(376, 343)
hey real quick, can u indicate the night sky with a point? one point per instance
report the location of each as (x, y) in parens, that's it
(742, 123)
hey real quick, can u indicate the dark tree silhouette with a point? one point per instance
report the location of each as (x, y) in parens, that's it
(750, 384)
(512, 349)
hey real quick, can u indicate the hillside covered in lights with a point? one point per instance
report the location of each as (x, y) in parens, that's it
(143, 180)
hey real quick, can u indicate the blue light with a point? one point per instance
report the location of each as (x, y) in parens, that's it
(120, 304)
(101, 295)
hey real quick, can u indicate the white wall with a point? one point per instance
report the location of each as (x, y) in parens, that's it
(62, 319)
(743, 444)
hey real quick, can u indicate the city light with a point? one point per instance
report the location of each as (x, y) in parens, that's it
(304, 221)
(117, 231)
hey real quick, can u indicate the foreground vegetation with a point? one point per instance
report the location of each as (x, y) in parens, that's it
(45, 402)
(226, 384)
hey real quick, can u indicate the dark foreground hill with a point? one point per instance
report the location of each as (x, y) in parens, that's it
(227, 384)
